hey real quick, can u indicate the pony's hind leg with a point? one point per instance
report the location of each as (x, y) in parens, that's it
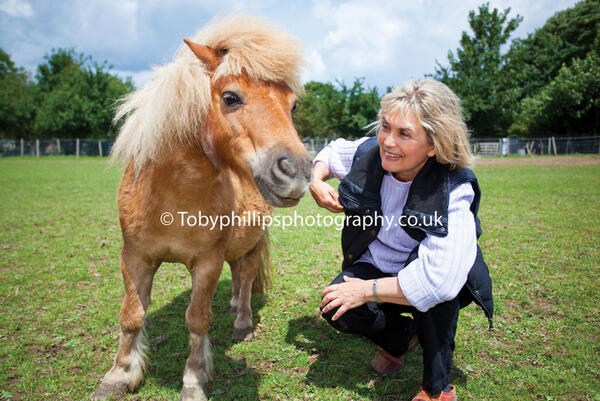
(235, 286)
(247, 272)
(198, 317)
(129, 365)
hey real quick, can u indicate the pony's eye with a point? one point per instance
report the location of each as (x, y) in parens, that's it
(294, 107)
(231, 99)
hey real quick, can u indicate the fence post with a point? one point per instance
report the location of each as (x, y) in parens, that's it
(22, 147)
(507, 146)
(37, 148)
(554, 143)
(77, 147)
(57, 145)
(100, 147)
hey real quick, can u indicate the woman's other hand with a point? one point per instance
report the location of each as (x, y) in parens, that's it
(352, 293)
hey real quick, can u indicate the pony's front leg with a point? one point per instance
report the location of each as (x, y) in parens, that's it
(129, 365)
(198, 317)
(247, 271)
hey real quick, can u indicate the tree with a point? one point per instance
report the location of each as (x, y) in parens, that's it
(17, 99)
(535, 61)
(474, 73)
(318, 110)
(568, 105)
(360, 108)
(326, 110)
(554, 75)
(77, 97)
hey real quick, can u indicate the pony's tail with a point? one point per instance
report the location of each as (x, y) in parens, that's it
(262, 282)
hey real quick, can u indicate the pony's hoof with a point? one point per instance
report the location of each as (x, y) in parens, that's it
(242, 334)
(192, 394)
(108, 390)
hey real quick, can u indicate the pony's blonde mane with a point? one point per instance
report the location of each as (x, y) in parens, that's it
(171, 107)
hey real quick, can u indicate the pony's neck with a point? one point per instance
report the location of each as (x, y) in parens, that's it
(185, 165)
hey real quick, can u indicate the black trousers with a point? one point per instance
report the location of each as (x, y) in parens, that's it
(385, 325)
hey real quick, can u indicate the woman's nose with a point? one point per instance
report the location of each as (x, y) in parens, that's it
(388, 140)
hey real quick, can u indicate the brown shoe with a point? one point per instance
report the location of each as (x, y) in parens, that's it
(385, 364)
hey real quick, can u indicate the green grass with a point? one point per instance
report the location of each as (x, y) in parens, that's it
(60, 292)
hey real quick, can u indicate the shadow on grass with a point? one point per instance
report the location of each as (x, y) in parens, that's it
(342, 360)
(168, 336)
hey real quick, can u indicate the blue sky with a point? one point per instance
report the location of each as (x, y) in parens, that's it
(386, 42)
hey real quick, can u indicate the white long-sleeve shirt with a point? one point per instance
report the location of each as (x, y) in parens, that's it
(443, 263)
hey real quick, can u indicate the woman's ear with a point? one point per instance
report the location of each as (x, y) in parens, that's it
(431, 153)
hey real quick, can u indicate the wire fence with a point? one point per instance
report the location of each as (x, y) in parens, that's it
(479, 146)
(52, 147)
(535, 146)
(507, 146)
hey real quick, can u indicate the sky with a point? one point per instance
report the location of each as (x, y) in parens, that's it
(384, 42)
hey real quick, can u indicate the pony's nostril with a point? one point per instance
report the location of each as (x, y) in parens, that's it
(286, 167)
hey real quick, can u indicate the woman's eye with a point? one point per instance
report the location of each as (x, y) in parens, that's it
(231, 99)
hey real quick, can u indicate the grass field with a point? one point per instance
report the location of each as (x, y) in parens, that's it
(60, 292)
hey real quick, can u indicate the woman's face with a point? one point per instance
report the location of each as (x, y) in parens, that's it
(403, 145)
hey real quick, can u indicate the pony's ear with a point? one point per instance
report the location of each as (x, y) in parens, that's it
(209, 56)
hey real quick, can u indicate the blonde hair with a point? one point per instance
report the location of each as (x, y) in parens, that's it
(171, 107)
(437, 108)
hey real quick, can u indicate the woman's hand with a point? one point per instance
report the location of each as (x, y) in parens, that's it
(353, 292)
(325, 196)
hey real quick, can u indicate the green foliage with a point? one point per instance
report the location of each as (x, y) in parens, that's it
(570, 34)
(569, 104)
(326, 110)
(17, 99)
(475, 71)
(545, 84)
(555, 72)
(73, 97)
(313, 116)
(76, 100)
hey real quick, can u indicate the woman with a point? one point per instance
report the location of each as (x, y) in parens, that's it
(410, 238)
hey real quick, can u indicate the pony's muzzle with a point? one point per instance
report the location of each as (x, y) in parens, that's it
(285, 180)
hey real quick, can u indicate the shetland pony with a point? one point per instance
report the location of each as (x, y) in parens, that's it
(211, 134)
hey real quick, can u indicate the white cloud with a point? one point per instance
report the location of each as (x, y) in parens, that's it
(17, 8)
(362, 32)
(316, 69)
(105, 25)
(139, 78)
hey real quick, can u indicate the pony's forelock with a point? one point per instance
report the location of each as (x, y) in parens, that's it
(172, 106)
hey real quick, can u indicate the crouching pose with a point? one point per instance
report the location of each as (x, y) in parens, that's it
(410, 234)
